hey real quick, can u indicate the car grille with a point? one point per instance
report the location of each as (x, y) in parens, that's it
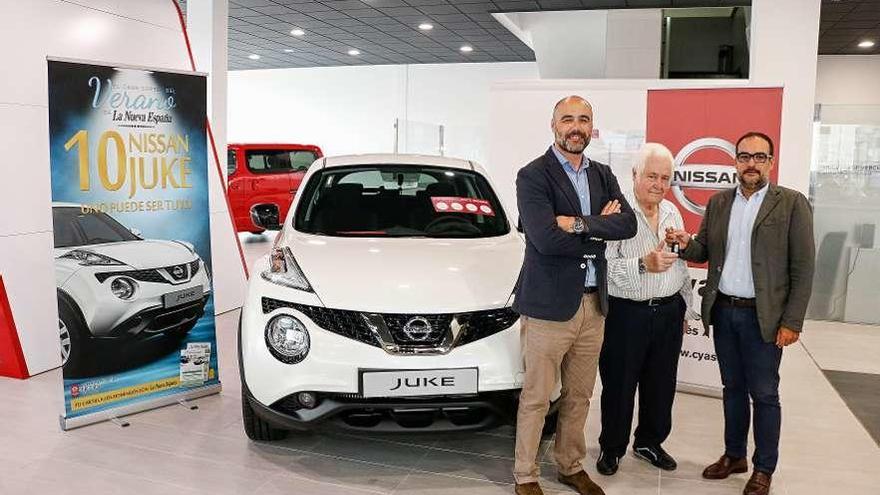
(476, 325)
(154, 275)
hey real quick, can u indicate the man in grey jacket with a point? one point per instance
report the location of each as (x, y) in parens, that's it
(758, 240)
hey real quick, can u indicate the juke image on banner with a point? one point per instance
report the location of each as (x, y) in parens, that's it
(131, 230)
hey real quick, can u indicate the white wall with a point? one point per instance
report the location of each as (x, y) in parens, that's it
(352, 109)
(144, 33)
(848, 80)
(611, 44)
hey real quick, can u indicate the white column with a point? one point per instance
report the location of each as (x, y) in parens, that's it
(207, 23)
(784, 47)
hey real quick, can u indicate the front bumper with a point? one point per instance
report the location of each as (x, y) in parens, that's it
(332, 371)
(145, 313)
(391, 415)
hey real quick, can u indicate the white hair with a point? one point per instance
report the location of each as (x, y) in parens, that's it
(651, 150)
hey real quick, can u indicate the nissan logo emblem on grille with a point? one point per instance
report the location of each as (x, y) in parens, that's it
(418, 329)
(702, 176)
(178, 272)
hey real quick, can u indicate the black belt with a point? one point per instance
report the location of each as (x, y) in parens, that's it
(738, 302)
(654, 301)
(590, 290)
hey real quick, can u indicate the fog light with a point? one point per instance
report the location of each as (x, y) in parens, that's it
(287, 339)
(307, 399)
(123, 288)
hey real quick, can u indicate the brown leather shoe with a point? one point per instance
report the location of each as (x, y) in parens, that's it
(582, 483)
(759, 484)
(724, 467)
(528, 489)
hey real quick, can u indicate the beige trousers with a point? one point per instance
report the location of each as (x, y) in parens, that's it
(550, 348)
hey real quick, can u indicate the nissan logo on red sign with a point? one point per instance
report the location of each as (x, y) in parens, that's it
(700, 127)
(690, 176)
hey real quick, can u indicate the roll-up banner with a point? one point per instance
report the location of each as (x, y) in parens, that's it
(132, 242)
(700, 127)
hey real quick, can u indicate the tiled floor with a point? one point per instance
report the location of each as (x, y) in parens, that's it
(175, 450)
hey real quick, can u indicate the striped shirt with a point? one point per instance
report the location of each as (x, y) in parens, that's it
(624, 279)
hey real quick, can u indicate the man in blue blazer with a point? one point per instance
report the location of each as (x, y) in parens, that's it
(568, 206)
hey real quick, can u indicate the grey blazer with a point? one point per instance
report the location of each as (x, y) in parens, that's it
(783, 256)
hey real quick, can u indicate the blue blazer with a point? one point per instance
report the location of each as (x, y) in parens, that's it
(551, 281)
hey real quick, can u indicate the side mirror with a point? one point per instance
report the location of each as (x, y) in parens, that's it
(265, 217)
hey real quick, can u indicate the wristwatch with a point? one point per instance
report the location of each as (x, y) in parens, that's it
(579, 225)
(642, 267)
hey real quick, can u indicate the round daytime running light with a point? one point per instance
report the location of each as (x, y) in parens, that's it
(287, 339)
(123, 288)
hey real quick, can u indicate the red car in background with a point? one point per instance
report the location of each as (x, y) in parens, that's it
(262, 181)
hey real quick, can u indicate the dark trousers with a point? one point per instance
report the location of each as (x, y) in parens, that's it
(641, 349)
(749, 369)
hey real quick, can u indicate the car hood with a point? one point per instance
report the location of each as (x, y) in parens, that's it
(409, 275)
(147, 253)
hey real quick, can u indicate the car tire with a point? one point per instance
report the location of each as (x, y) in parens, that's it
(255, 427)
(75, 343)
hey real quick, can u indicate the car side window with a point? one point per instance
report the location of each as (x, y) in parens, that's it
(300, 160)
(278, 161)
(230, 162)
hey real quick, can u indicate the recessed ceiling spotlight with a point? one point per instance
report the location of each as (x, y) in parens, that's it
(866, 44)
(426, 26)
(466, 48)
(354, 53)
(297, 32)
(254, 56)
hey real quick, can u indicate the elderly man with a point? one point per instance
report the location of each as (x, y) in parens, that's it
(758, 240)
(649, 291)
(561, 292)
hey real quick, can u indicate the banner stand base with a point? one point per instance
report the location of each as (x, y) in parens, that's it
(111, 414)
(694, 389)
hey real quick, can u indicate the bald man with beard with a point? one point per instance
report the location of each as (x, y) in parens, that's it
(569, 206)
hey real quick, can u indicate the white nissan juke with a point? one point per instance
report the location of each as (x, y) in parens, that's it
(114, 286)
(384, 303)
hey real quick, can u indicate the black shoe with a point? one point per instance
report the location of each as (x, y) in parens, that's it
(656, 456)
(607, 463)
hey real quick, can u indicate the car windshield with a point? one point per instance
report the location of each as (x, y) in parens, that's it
(400, 201)
(74, 228)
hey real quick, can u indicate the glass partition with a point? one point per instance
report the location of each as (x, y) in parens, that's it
(845, 193)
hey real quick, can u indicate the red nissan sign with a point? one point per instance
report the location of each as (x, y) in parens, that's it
(700, 127)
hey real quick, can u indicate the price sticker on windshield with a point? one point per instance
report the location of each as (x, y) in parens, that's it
(449, 204)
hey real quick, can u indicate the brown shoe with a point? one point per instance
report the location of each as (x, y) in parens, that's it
(724, 467)
(581, 482)
(759, 484)
(528, 489)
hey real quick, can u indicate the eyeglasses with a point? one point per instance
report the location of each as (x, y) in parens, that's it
(759, 157)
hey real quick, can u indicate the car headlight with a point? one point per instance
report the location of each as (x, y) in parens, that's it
(89, 258)
(284, 270)
(287, 339)
(123, 287)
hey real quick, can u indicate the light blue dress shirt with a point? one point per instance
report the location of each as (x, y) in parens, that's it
(736, 276)
(582, 187)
